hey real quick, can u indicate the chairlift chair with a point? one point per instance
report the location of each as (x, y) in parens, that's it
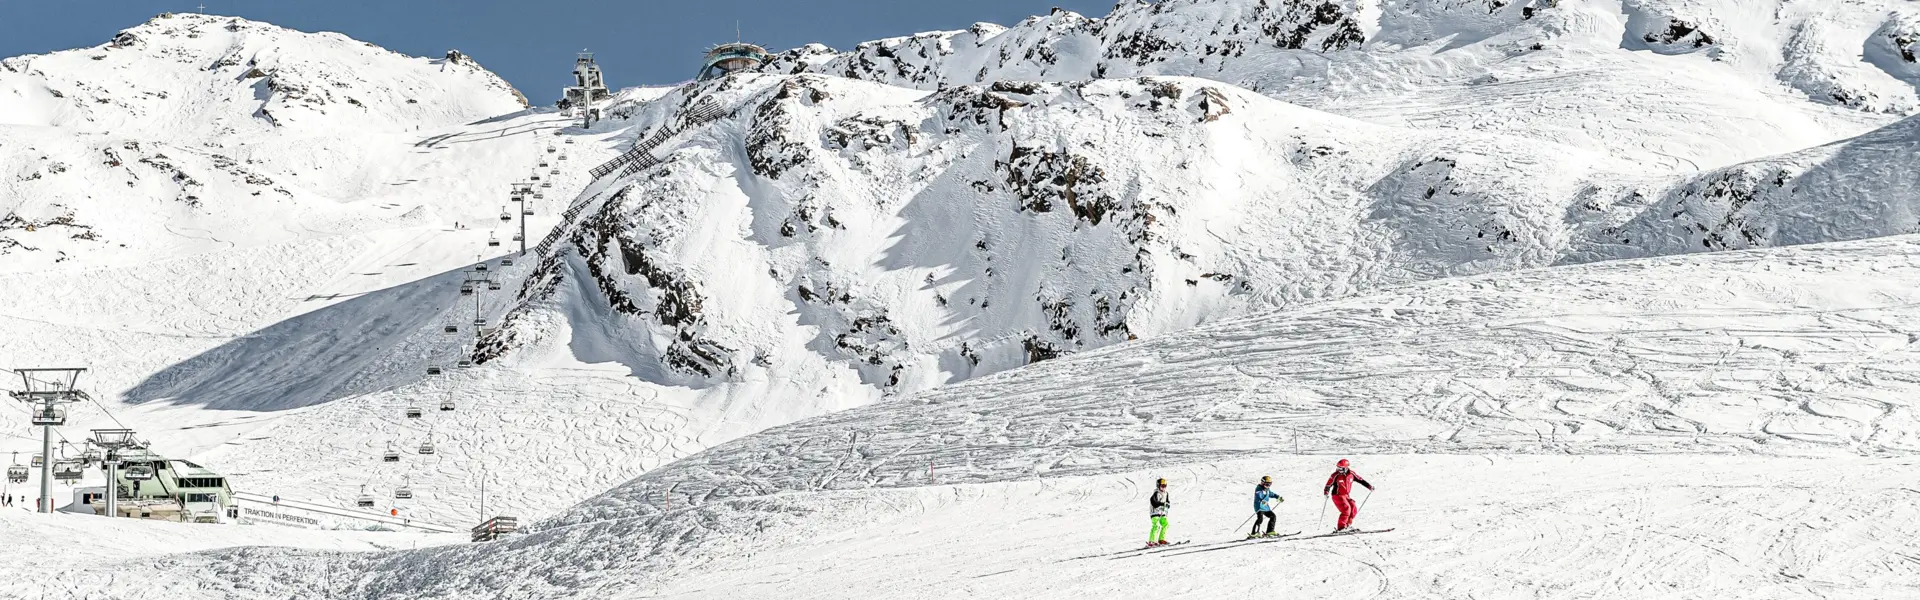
(528, 211)
(139, 473)
(451, 328)
(505, 216)
(543, 163)
(364, 501)
(91, 456)
(466, 289)
(17, 474)
(69, 470)
(506, 262)
(495, 285)
(539, 196)
(426, 447)
(546, 184)
(516, 237)
(563, 156)
(433, 370)
(480, 322)
(39, 461)
(569, 140)
(554, 172)
(49, 415)
(536, 176)
(413, 412)
(492, 241)
(465, 363)
(482, 267)
(403, 493)
(446, 405)
(391, 456)
(551, 149)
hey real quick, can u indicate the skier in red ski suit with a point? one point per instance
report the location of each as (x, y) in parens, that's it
(1339, 485)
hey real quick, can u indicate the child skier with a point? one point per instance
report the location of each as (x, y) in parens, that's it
(1262, 509)
(1338, 486)
(1159, 504)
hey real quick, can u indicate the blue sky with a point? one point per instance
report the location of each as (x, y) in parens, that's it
(532, 43)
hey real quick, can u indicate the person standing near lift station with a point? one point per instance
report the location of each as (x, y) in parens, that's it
(1158, 505)
(1263, 500)
(1339, 486)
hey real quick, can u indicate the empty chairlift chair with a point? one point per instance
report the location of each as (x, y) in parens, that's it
(492, 241)
(536, 175)
(465, 362)
(539, 196)
(546, 184)
(451, 328)
(506, 262)
(139, 473)
(426, 447)
(495, 285)
(554, 172)
(403, 493)
(516, 237)
(480, 322)
(413, 412)
(364, 501)
(528, 210)
(38, 461)
(433, 370)
(569, 140)
(49, 415)
(390, 456)
(551, 149)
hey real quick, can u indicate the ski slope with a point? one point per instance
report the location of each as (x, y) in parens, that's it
(1633, 428)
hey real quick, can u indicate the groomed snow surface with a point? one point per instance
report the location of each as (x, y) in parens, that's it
(1611, 298)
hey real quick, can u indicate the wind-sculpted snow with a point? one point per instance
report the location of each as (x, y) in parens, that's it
(1630, 78)
(1858, 188)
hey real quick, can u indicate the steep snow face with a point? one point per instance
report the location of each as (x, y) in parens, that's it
(193, 133)
(1858, 188)
(1628, 78)
(922, 240)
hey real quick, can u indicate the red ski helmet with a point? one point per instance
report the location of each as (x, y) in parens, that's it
(1342, 464)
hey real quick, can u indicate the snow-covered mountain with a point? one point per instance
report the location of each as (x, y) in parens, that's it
(1064, 252)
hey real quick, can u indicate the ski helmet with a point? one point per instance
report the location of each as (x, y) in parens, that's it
(1163, 482)
(1342, 464)
(1266, 479)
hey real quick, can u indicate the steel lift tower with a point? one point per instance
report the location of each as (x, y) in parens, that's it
(44, 391)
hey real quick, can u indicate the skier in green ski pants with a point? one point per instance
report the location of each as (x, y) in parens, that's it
(1159, 503)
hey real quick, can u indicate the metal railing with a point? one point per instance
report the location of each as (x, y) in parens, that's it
(638, 158)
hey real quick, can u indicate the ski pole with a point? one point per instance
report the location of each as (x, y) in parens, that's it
(1323, 511)
(1363, 501)
(1244, 523)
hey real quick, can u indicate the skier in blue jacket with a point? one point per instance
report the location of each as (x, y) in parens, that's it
(1263, 501)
